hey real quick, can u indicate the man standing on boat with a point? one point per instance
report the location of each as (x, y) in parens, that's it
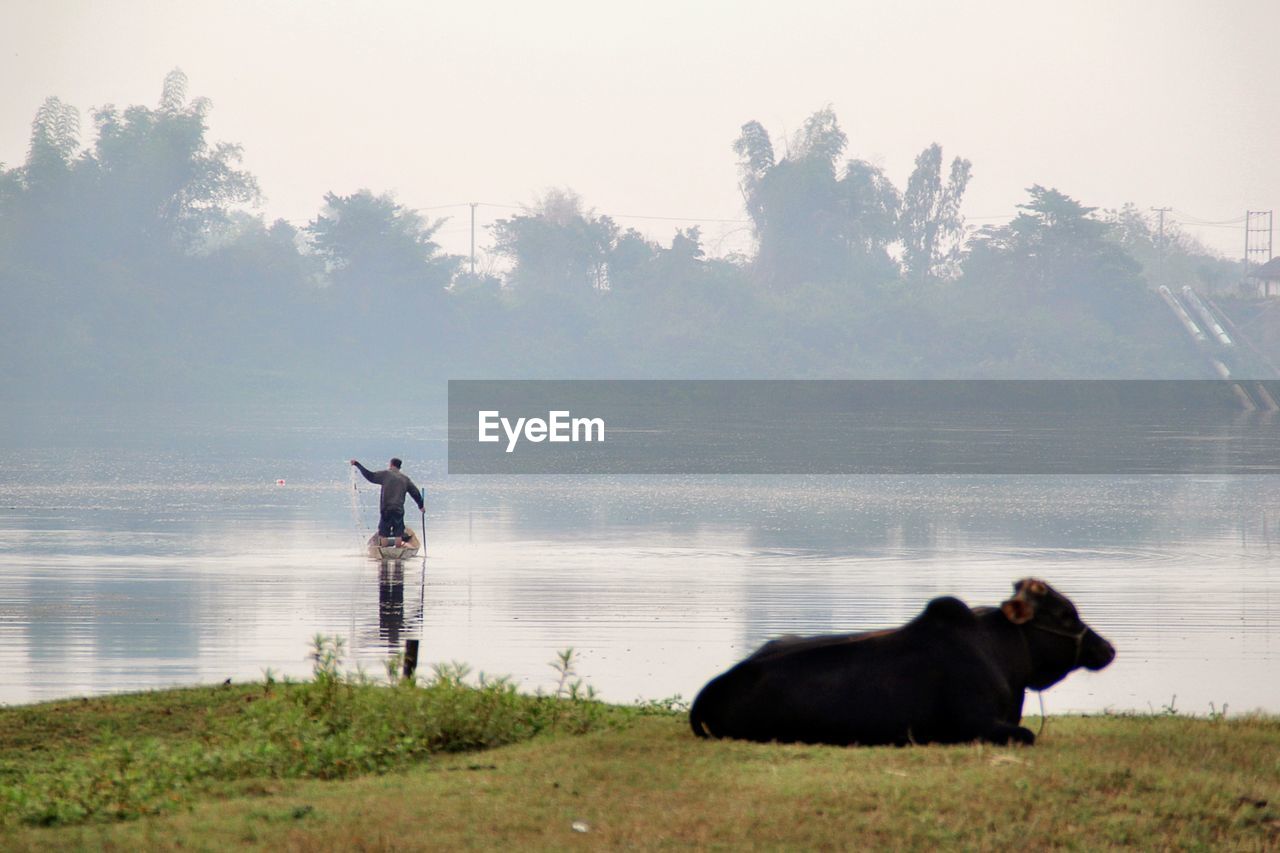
(395, 486)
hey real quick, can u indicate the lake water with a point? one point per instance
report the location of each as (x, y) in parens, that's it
(132, 569)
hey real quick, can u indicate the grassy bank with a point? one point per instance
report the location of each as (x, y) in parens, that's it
(341, 765)
(125, 757)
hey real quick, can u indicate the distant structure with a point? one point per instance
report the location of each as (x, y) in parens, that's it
(1267, 278)
(1257, 251)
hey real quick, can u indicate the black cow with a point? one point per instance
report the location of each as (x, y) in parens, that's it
(951, 675)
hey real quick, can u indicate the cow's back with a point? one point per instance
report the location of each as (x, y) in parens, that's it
(950, 675)
(870, 688)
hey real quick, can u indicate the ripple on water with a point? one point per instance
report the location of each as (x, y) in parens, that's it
(658, 582)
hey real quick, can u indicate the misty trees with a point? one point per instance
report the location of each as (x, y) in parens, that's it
(39, 201)
(1059, 297)
(872, 203)
(931, 226)
(55, 138)
(1055, 245)
(813, 219)
(378, 252)
(157, 175)
(97, 243)
(817, 221)
(387, 278)
(132, 254)
(557, 247)
(1168, 256)
(149, 183)
(755, 162)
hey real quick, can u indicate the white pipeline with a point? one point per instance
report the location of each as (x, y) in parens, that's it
(1187, 323)
(1207, 316)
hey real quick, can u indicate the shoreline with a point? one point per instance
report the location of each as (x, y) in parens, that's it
(341, 762)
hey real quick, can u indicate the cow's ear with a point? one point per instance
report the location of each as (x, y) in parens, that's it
(1017, 610)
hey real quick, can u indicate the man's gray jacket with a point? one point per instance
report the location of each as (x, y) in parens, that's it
(395, 486)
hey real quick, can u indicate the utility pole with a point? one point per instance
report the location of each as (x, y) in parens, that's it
(474, 204)
(473, 237)
(1162, 211)
(1160, 257)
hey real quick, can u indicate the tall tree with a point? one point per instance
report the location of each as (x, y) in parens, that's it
(872, 205)
(755, 160)
(1054, 246)
(55, 137)
(158, 173)
(375, 250)
(813, 221)
(557, 246)
(931, 225)
(40, 201)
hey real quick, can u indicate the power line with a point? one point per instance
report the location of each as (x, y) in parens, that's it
(1192, 219)
(1182, 217)
(474, 204)
(1236, 227)
(680, 218)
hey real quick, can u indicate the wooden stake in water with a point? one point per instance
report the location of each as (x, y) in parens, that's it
(410, 658)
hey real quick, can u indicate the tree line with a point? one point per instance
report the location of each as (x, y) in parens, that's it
(133, 266)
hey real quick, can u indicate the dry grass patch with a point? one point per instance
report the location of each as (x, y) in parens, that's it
(1092, 783)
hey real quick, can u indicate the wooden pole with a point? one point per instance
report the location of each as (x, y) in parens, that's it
(410, 658)
(473, 237)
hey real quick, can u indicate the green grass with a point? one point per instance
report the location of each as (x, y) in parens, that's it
(130, 756)
(340, 764)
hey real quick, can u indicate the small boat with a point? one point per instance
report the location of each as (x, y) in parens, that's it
(393, 552)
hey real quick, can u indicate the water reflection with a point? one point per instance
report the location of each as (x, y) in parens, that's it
(395, 624)
(659, 583)
(390, 604)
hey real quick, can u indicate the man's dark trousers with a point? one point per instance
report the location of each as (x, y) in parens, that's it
(391, 523)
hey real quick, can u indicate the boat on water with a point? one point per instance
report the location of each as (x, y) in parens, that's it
(396, 551)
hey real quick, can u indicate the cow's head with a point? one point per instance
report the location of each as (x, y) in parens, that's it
(1057, 639)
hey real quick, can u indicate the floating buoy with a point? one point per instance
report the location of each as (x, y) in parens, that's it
(279, 482)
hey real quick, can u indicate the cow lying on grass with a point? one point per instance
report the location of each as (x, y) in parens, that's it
(951, 675)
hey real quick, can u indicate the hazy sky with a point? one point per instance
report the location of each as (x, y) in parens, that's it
(635, 105)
